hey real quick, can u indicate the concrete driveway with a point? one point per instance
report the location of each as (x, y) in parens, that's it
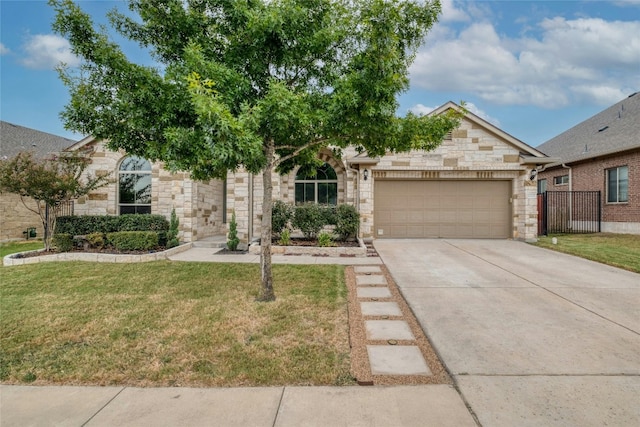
(532, 337)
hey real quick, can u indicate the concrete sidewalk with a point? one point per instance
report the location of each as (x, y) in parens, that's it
(434, 405)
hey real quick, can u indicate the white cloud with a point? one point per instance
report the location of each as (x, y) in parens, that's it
(46, 51)
(451, 13)
(3, 49)
(421, 110)
(587, 60)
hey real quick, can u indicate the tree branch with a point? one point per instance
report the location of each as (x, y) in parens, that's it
(298, 150)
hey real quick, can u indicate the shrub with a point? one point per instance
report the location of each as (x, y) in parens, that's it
(285, 237)
(330, 214)
(86, 224)
(281, 214)
(96, 240)
(172, 235)
(348, 221)
(133, 240)
(310, 219)
(233, 241)
(63, 242)
(324, 239)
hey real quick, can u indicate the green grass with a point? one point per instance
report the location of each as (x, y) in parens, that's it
(172, 324)
(618, 250)
(25, 245)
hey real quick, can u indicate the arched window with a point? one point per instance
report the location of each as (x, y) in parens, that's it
(319, 187)
(134, 186)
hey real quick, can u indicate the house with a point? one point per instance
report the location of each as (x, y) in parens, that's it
(476, 184)
(14, 217)
(601, 154)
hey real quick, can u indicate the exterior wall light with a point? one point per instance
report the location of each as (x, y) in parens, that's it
(365, 174)
(534, 173)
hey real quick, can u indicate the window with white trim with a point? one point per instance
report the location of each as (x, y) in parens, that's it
(319, 185)
(561, 180)
(542, 186)
(134, 186)
(618, 185)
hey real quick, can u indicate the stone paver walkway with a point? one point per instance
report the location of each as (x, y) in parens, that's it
(391, 346)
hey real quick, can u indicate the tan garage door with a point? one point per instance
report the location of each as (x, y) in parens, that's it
(447, 209)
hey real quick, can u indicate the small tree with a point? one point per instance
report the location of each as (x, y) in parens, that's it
(172, 234)
(50, 182)
(233, 241)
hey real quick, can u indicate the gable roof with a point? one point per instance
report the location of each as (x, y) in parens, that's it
(613, 130)
(15, 138)
(526, 150)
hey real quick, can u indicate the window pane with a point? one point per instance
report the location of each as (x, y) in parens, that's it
(623, 184)
(309, 192)
(299, 193)
(143, 209)
(542, 185)
(323, 193)
(134, 163)
(612, 185)
(127, 209)
(333, 194)
(143, 189)
(329, 173)
(127, 188)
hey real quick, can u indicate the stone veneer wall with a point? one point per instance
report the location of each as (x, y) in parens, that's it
(196, 203)
(16, 218)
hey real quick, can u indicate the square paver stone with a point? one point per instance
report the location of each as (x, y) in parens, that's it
(375, 308)
(388, 330)
(374, 292)
(397, 360)
(371, 280)
(367, 269)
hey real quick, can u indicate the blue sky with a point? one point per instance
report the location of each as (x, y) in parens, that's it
(532, 68)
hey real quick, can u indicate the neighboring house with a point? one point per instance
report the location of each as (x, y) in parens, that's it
(14, 217)
(476, 184)
(601, 154)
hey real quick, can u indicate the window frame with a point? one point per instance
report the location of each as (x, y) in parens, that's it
(145, 169)
(617, 169)
(542, 183)
(560, 180)
(317, 183)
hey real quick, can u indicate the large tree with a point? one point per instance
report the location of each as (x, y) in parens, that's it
(256, 84)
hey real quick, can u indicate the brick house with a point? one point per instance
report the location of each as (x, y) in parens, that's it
(601, 154)
(14, 217)
(476, 184)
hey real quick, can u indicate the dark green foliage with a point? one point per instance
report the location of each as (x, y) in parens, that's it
(309, 218)
(280, 216)
(325, 240)
(133, 240)
(63, 242)
(330, 214)
(233, 241)
(86, 224)
(347, 221)
(172, 234)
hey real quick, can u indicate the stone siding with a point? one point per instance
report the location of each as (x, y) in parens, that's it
(16, 218)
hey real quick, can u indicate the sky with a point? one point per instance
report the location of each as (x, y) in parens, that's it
(532, 68)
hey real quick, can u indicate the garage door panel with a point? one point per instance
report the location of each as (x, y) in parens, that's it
(448, 209)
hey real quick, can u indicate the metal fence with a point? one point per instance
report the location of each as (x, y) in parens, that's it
(569, 212)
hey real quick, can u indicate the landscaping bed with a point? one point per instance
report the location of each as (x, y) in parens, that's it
(310, 247)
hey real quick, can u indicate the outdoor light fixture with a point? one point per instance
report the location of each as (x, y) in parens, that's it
(534, 173)
(365, 174)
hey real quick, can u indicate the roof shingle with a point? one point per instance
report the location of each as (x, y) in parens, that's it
(15, 138)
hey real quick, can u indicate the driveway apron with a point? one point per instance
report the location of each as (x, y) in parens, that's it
(531, 336)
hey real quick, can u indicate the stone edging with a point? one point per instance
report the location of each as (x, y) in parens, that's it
(10, 260)
(336, 251)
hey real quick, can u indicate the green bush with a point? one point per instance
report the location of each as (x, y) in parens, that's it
(285, 237)
(330, 214)
(347, 221)
(172, 235)
(325, 239)
(86, 224)
(233, 241)
(133, 240)
(310, 219)
(281, 214)
(63, 242)
(96, 240)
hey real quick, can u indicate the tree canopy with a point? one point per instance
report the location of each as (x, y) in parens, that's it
(256, 84)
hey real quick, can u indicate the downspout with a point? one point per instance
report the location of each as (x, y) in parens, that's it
(570, 225)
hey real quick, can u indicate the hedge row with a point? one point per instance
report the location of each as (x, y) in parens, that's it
(86, 224)
(311, 218)
(120, 240)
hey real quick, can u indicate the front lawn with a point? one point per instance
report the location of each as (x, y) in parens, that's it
(618, 250)
(21, 246)
(172, 324)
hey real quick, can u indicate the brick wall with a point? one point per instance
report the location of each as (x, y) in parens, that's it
(590, 175)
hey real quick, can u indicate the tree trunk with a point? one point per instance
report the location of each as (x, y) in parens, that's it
(266, 290)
